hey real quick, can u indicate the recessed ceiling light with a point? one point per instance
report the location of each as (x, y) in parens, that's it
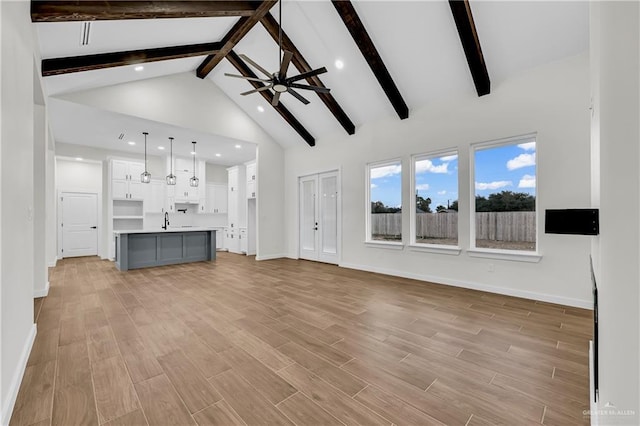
(260, 108)
(78, 158)
(139, 68)
(238, 146)
(218, 155)
(339, 64)
(131, 143)
(161, 148)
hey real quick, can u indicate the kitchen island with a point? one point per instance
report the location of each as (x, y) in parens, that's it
(146, 248)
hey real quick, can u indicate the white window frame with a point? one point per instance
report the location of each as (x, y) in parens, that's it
(515, 255)
(429, 248)
(398, 245)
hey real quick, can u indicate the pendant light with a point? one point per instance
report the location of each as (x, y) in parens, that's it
(145, 177)
(194, 181)
(171, 178)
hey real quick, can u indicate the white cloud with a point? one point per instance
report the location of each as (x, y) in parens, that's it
(380, 172)
(448, 158)
(442, 192)
(373, 185)
(527, 181)
(427, 166)
(527, 146)
(522, 160)
(493, 185)
(422, 187)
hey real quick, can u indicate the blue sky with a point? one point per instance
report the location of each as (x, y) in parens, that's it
(503, 168)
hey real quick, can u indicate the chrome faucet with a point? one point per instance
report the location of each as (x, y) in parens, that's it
(166, 220)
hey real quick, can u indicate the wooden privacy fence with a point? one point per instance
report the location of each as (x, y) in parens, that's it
(497, 226)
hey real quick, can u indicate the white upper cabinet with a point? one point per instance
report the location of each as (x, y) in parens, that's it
(125, 180)
(251, 180)
(216, 198)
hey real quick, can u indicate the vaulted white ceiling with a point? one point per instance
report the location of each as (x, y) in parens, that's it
(417, 40)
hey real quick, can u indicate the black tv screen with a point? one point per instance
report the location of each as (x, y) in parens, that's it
(572, 221)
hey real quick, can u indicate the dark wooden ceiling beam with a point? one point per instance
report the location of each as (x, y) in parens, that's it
(282, 110)
(56, 66)
(239, 30)
(69, 10)
(272, 27)
(461, 11)
(359, 33)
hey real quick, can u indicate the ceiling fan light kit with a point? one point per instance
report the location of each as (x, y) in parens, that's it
(278, 81)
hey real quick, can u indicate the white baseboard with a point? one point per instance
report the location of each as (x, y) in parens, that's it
(10, 400)
(53, 264)
(542, 297)
(271, 256)
(42, 293)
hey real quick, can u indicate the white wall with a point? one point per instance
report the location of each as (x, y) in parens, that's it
(51, 210)
(82, 176)
(16, 199)
(552, 100)
(615, 48)
(40, 272)
(216, 173)
(186, 101)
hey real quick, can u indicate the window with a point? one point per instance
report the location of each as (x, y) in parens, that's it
(434, 212)
(384, 204)
(505, 195)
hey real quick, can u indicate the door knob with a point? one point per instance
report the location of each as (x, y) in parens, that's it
(94, 227)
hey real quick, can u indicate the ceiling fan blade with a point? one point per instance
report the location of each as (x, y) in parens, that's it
(285, 63)
(260, 89)
(307, 74)
(307, 87)
(246, 78)
(298, 96)
(255, 65)
(276, 99)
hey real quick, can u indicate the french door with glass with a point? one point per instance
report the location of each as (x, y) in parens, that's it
(320, 217)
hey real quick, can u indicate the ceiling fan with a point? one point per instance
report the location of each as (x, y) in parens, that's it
(278, 81)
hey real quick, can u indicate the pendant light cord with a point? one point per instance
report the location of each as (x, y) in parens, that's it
(194, 159)
(171, 157)
(145, 150)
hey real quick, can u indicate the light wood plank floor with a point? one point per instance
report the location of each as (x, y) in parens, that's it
(237, 342)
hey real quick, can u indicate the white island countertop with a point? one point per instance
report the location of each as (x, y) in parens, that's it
(170, 229)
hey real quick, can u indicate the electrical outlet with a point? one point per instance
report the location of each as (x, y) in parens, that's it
(491, 267)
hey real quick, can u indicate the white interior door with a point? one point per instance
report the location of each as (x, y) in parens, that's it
(328, 218)
(79, 224)
(308, 218)
(319, 217)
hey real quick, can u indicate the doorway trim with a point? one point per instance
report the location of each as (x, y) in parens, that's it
(338, 171)
(59, 193)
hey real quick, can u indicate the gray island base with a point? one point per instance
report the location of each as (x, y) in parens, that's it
(144, 249)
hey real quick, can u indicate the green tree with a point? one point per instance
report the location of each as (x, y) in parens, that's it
(380, 207)
(506, 201)
(454, 205)
(423, 204)
(441, 208)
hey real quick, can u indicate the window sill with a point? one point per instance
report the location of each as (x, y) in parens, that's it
(389, 245)
(435, 248)
(516, 256)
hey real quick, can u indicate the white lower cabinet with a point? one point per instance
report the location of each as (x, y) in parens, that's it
(242, 237)
(232, 242)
